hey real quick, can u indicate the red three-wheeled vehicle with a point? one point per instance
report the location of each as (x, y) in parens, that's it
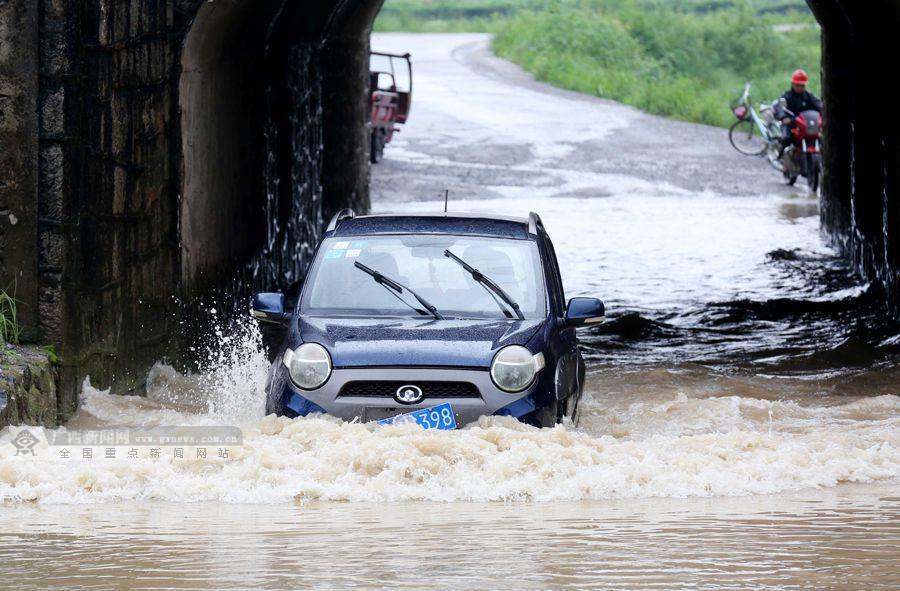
(390, 81)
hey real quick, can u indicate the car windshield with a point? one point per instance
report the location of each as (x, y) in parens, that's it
(335, 286)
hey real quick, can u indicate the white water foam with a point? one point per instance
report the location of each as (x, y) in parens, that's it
(680, 446)
(627, 445)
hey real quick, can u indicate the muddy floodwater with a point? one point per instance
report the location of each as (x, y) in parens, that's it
(842, 538)
(740, 428)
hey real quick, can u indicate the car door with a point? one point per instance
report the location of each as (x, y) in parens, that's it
(570, 365)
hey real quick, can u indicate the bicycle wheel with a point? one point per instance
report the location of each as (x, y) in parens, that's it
(746, 138)
(772, 150)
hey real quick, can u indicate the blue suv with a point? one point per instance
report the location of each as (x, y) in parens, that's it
(448, 312)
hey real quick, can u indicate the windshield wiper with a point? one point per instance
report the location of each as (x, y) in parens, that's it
(399, 288)
(489, 284)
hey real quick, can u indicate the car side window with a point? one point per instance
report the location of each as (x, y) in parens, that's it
(559, 296)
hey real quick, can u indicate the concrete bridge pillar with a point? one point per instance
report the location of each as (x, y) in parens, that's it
(860, 203)
(19, 128)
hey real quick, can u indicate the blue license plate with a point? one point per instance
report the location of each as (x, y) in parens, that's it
(435, 417)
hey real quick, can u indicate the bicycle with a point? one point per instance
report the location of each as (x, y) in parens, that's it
(756, 134)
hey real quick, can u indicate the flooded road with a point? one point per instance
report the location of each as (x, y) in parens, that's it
(741, 426)
(844, 538)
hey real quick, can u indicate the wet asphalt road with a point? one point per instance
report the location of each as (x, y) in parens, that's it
(702, 254)
(482, 127)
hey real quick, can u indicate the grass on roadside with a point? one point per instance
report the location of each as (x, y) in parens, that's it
(10, 330)
(448, 16)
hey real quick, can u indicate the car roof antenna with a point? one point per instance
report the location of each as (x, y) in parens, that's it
(446, 197)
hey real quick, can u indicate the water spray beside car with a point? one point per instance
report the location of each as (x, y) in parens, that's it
(436, 319)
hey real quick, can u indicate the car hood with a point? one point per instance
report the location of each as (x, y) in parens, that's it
(355, 342)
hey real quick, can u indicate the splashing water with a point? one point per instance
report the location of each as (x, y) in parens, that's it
(231, 380)
(679, 431)
(670, 445)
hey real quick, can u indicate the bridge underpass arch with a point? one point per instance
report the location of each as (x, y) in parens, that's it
(273, 108)
(134, 208)
(166, 149)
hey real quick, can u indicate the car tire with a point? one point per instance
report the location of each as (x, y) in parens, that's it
(547, 417)
(376, 151)
(562, 409)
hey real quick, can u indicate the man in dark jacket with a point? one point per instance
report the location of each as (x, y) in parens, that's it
(798, 99)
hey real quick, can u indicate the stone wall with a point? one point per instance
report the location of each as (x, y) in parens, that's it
(28, 387)
(18, 157)
(110, 244)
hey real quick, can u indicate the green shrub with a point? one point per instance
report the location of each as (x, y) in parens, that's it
(669, 61)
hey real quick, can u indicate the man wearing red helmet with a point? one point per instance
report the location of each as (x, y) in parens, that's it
(797, 100)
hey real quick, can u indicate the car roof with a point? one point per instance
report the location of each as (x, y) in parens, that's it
(434, 223)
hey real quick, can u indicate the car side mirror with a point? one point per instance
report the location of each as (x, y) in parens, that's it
(269, 307)
(584, 312)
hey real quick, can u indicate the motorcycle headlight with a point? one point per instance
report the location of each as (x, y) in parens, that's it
(309, 365)
(514, 368)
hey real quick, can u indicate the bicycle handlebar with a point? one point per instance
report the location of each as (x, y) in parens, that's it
(745, 98)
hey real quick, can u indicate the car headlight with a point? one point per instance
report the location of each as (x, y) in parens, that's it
(514, 368)
(309, 365)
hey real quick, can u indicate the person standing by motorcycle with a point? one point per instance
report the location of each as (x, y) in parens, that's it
(796, 100)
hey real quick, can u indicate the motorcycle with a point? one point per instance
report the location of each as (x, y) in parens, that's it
(803, 156)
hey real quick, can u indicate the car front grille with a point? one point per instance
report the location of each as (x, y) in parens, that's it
(386, 389)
